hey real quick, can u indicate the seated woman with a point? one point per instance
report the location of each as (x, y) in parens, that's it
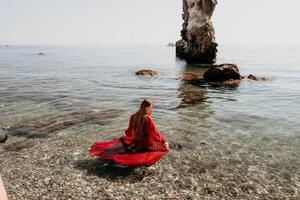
(141, 144)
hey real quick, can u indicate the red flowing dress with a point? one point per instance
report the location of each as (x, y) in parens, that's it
(130, 150)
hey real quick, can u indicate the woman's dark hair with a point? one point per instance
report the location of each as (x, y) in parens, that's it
(138, 118)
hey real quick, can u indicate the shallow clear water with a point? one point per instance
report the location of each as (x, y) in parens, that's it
(75, 78)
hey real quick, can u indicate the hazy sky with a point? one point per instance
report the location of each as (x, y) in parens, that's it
(143, 21)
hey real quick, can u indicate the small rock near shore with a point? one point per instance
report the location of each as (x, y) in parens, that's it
(256, 78)
(146, 72)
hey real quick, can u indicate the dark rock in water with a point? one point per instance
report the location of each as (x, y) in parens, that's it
(41, 54)
(193, 54)
(191, 98)
(3, 136)
(216, 75)
(221, 73)
(256, 78)
(45, 125)
(146, 72)
(196, 82)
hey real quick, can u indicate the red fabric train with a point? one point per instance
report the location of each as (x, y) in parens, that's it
(129, 150)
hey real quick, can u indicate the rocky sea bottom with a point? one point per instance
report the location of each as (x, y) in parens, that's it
(46, 158)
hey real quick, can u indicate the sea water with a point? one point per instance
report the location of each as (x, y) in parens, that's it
(72, 78)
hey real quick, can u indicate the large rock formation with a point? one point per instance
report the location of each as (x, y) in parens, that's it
(198, 36)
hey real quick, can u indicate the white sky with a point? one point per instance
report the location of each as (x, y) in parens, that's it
(134, 22)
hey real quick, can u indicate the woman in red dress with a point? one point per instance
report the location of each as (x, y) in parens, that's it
(141, 144)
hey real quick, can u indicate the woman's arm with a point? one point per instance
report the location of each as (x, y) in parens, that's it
(128, 135)
(128, 131)
(157, 140)
(152, 128)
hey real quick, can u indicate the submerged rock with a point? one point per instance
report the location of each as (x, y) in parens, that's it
(146, 72)
(187, 76)
(3, 136)
(191, 98)
(198, 35)
(45, 125)
(221, 73)
(229, 83)
(256, 78)
(203, 166)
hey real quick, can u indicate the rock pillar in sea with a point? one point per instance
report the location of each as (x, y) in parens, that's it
(198, 35)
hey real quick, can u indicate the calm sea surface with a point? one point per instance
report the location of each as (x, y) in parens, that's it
(76, 78)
